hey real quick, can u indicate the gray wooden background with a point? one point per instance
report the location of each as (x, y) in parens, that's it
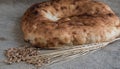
(11, 36)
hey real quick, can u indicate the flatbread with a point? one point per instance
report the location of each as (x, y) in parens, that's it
(57, 23)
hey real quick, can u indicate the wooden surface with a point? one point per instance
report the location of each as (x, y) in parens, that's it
(11, 36)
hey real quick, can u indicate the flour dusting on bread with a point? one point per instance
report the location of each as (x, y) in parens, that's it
(50, 16)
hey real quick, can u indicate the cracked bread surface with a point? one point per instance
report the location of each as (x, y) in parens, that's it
(56, 23)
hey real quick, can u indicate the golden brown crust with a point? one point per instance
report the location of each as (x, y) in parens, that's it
(69, 22)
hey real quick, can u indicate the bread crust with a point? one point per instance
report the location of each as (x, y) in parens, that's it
(57, 23)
